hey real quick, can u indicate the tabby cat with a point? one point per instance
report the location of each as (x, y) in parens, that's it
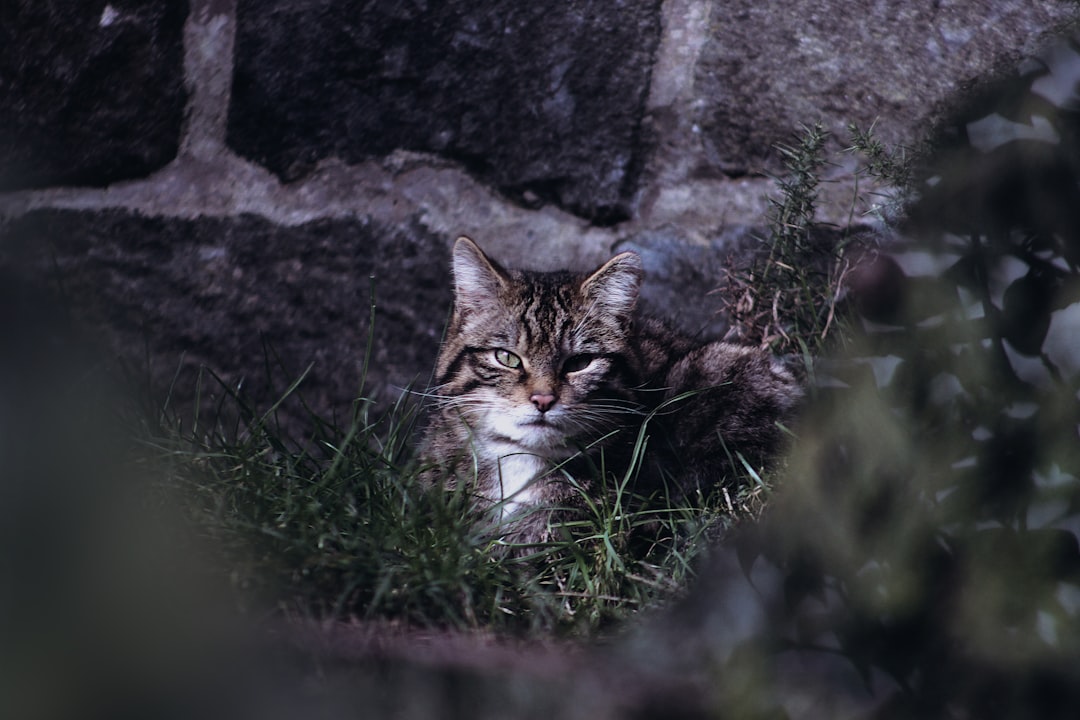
(542, 372)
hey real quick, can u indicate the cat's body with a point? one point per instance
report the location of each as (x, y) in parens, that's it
(542, 374)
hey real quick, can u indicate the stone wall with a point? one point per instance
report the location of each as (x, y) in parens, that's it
(212, 181)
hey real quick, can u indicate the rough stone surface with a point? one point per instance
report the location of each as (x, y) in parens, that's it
(681, 277)
(90, 92)
(498, 120)
(253, 301)
(542, 100)
(766, 68)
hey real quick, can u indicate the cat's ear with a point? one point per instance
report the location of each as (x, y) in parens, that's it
(477, 279)
(615, 286)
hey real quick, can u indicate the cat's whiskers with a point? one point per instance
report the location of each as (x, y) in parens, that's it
(589, 430)
(613, 406)
(439, 398)
(463, 404)
(449, 400)
(431, 392)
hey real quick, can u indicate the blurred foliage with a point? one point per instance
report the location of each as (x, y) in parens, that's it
(922, 558)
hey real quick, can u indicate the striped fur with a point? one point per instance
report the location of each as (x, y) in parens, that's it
(540, 373)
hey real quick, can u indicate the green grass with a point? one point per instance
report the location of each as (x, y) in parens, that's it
(340, 525)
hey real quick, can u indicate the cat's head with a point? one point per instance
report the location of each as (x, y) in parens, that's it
(539, 361)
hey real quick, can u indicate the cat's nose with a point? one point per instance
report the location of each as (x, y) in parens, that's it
(542, 401)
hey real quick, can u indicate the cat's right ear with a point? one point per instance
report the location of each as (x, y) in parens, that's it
(477, 279)
(616, 284)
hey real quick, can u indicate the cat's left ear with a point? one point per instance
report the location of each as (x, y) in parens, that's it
(477, 278)
(615, 286)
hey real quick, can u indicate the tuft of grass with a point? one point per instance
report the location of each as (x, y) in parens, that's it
(891, 167)
(786, 299)
(792, 215)
(791, 298)
(340, 525)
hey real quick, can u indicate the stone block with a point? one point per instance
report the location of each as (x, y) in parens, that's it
(544, 101)
(766, 68)
(90, 92)
(252, 301)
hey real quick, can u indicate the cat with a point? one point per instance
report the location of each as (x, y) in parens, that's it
(543, 375)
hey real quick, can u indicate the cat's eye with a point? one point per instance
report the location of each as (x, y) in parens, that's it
(507, 359)
(577, 363)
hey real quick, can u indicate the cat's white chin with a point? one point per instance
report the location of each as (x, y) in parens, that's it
(544, 440)
(531, 433)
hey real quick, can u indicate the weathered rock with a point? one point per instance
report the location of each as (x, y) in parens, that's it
(543, 101)
(766, 68)
(252, 301)
(90, 92)
(681, 277)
